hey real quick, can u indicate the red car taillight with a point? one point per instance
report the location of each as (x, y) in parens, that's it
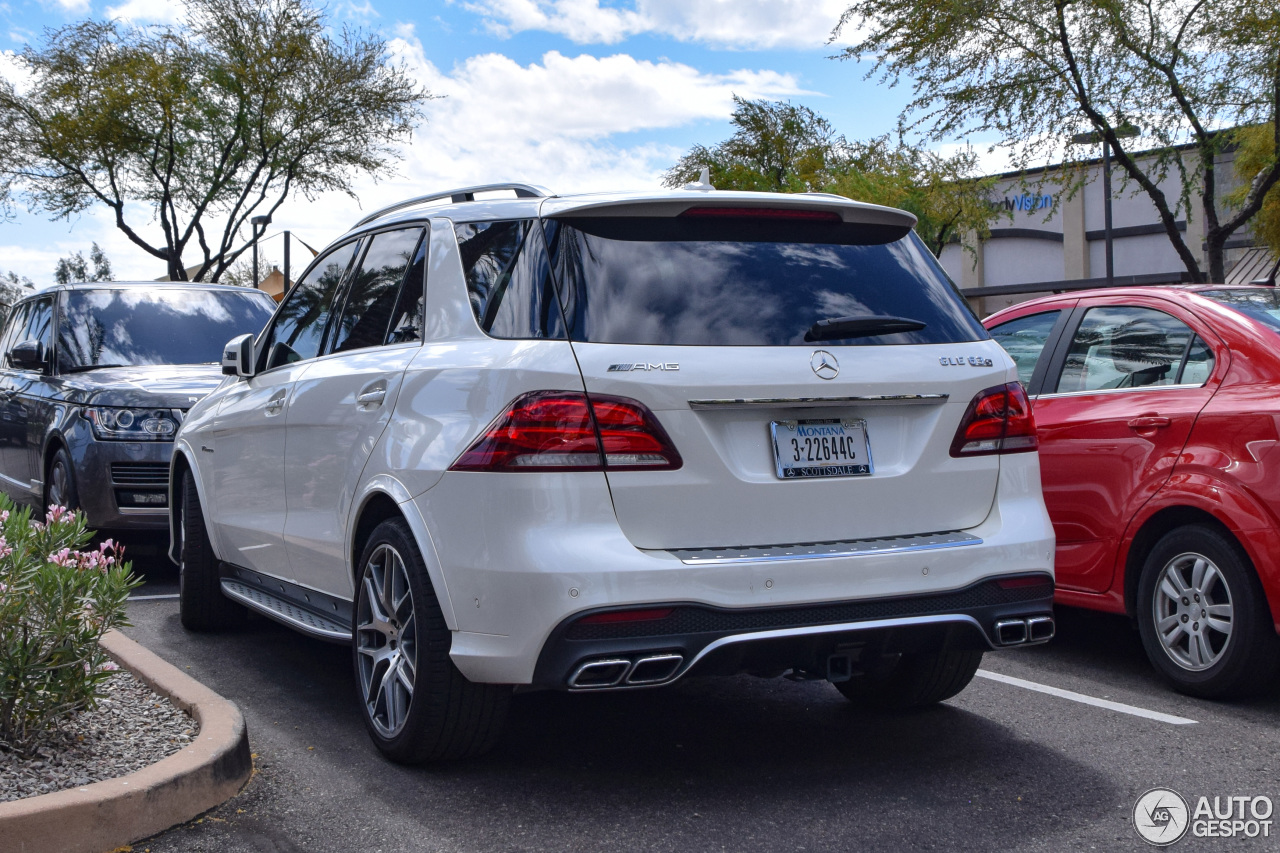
(998, 420)
(566, 431)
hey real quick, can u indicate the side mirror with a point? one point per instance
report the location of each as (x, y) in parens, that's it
(28, 355)
(237, 356)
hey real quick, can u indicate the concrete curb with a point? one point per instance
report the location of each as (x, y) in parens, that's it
(117, 812)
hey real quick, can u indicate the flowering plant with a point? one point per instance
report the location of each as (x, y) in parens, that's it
(57, 599)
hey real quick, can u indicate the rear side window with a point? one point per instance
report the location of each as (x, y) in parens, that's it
(708, 282)
(1129, 347)
(375, 287)
(13, 330)
(1024, 339)
(509, 279)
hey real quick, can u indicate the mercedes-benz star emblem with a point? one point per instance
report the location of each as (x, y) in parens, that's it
(824, 364)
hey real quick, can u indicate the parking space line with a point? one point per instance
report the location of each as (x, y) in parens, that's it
(1086, 700)
(153, 597)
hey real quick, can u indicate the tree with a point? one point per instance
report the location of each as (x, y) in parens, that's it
(247, 103)
(73, 267)
(1034, 70)
(1257, 147)
(779, 147)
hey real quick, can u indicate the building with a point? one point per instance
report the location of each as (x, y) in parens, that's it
(1046, 237)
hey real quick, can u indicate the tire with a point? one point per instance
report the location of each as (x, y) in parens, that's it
(60, 482)
(416, 705)
(1231, 648)
(201, 604)
(916, 681)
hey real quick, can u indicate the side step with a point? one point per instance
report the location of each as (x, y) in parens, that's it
(286, 612)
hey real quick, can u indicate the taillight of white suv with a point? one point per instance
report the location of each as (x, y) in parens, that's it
(998, 420)
(567, 431)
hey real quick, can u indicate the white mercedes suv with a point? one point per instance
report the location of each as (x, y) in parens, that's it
(496, 438)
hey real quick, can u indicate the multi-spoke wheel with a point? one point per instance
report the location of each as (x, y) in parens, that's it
(1202, 615)
(386, 641)
(417, 705)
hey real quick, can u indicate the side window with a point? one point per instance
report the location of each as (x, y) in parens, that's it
(39, 325)
(375, 286)
(509, 279)
(1198, 364)
(13, 329)
(1125, 347)
(1024, 339)
(299, 328)
(406, 322)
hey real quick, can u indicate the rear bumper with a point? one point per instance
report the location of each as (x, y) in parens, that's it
(700, 640)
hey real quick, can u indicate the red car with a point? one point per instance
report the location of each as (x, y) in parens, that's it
(1158, 415)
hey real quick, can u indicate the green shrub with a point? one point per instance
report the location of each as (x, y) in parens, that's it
(56, 602)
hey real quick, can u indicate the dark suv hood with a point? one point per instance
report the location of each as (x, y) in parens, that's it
(165, 386)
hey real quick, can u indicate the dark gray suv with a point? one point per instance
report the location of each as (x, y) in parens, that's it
(94, 381)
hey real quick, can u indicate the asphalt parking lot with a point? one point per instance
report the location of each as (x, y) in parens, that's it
(738, 764)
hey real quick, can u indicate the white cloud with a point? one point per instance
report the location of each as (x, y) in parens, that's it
(151, 11)
(73, 5)
(735, 24)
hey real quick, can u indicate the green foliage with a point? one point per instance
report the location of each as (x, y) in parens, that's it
(56, 602)
(1257, 148)
(779, 147)
(202, 125)
(1035, 72)
(74, 268)
(776, 147)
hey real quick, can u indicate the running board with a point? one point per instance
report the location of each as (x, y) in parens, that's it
(286, 612)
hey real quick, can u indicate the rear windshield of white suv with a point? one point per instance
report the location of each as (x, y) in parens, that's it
(711, 282)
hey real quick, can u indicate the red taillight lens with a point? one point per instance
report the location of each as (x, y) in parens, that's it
(998, 420)
(616, 616)
(764, 213)
(564, 431)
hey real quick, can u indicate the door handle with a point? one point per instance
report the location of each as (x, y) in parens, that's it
(275, 404)
(1149, 422)
(372, 396)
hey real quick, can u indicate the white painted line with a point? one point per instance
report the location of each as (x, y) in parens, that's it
(1087, 700)
(153, 597)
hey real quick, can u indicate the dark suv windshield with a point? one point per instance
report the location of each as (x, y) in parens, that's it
(684, 282)
(161, 325)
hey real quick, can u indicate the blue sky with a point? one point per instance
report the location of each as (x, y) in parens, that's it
(576, 95)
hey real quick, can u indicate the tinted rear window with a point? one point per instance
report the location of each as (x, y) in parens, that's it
(174, 325)
(684, 282)
(508, 279)
(1262, 304)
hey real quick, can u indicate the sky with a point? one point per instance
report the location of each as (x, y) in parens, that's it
(574, 95)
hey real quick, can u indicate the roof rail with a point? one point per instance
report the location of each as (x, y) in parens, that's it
(459, 195)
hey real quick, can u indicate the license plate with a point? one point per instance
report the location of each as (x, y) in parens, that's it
(821, 448)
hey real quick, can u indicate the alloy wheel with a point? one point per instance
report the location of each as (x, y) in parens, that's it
(58, 477)
(386, 641)
(1193, 611)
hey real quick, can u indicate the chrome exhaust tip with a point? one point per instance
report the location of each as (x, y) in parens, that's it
(655, 669)
(599, 673)
(1040, 629)
(1011, 632)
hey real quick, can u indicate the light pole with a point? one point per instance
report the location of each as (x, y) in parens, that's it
(1093, 137)
(259, 226)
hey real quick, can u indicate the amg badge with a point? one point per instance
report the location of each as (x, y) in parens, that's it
(642, 365)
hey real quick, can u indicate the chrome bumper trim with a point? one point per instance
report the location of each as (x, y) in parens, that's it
(824, 550)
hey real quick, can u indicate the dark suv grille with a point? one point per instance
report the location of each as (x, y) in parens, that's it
(154, 474)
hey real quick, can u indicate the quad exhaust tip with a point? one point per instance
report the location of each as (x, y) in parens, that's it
(643, 671)
(1016, 632)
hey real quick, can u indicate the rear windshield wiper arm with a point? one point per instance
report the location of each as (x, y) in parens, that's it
(81, 368)
(860, 327)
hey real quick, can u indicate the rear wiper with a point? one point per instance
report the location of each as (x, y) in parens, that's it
(860, 327)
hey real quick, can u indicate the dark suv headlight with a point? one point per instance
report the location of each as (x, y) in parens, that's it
(111, 423)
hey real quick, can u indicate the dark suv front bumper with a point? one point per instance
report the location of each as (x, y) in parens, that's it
(695, 639)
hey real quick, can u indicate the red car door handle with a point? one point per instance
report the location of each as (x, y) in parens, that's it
(1149, 422)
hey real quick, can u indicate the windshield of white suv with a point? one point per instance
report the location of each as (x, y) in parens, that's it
(708, 282)
(121, 326)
